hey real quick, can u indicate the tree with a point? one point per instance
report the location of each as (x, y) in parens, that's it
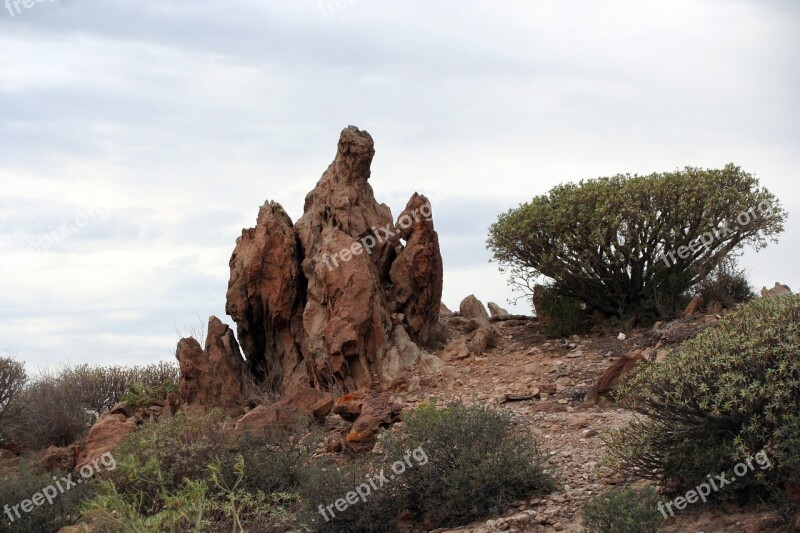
(633, 244)
(12, 381)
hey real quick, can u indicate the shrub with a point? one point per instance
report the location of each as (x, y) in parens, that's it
(726, 284)
(208, 505)
(327, 482)
(626, 244)
(12, 381)
(140, 394)
(727, 394)
(45, 518)
(156, 458)
(565, 316)
(623, 511)
(478, 462)
(57, 408)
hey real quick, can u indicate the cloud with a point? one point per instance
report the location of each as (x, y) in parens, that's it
(181, 118)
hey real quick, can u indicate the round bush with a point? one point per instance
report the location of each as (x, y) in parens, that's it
(727, 394)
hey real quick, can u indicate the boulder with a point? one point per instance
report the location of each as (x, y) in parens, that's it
(307, 403)
(104, 436)
(472, 308)
(496, 311)
(216, 376)
(444, 312)
(474, 343)
(611, 377)
(368, 411)
(694, 306)
(55, 458)
(778, 290)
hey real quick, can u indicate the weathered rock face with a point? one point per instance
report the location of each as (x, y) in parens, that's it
(319, 303)
(216, 376)
(104, 437)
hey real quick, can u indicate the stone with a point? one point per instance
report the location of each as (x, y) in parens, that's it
(444, 312)
(472, 308)
(58, 459)
(778, 290)
(694, 306)
(368, 411)
(611, 377)
(216, 376)
(496, 311)
(122, 408)
(104, 436)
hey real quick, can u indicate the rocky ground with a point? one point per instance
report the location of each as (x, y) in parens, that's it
(558, 375)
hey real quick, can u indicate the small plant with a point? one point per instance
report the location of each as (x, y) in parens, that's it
(141, 394)
(726, 284)
(623, 511)
(478, 462)
(63, 512)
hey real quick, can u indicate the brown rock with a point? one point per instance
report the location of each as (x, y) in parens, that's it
(610, 379)
(314, 301)
(778, 290)
(474, 343)
(472, 308)
(122, 408)
(496, 311)
(694, 306)
(56, 458)
(104, 436)
(444, 312)
(368, 411)
(215, 377)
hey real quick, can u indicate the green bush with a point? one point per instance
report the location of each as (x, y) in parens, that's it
(623, 511)
(140, 394)
(45, 518)
(208, 504)
(157, 457)
(628, 244)
(727, 394)
(328, 482)
(565, 316)
(477, 462)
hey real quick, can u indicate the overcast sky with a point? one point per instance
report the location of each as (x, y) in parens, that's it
(139, 138)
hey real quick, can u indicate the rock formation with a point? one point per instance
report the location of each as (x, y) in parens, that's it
(324, 303)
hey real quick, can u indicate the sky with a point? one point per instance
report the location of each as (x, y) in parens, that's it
(139, 138)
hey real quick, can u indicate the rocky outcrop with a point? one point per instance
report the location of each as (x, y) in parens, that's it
(340, 297)
(472, 308)
(216, 376)
(496, 311)
(104, 437)
(778, 290)
(59, 459)
(368, 411)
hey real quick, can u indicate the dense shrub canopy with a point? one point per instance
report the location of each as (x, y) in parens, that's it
(631, 243)
(12, 380)
(727, 394)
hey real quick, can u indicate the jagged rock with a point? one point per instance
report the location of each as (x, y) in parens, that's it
(472, 308)
(778, 290)
(307, 403)
(368, 411)
(694, 306)
(56, 458)
(444, 312)
(611, 377)
(496, 311)
(122, 408)
(474, 343)
(104, 437)
(314, 302)
(216, 376)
